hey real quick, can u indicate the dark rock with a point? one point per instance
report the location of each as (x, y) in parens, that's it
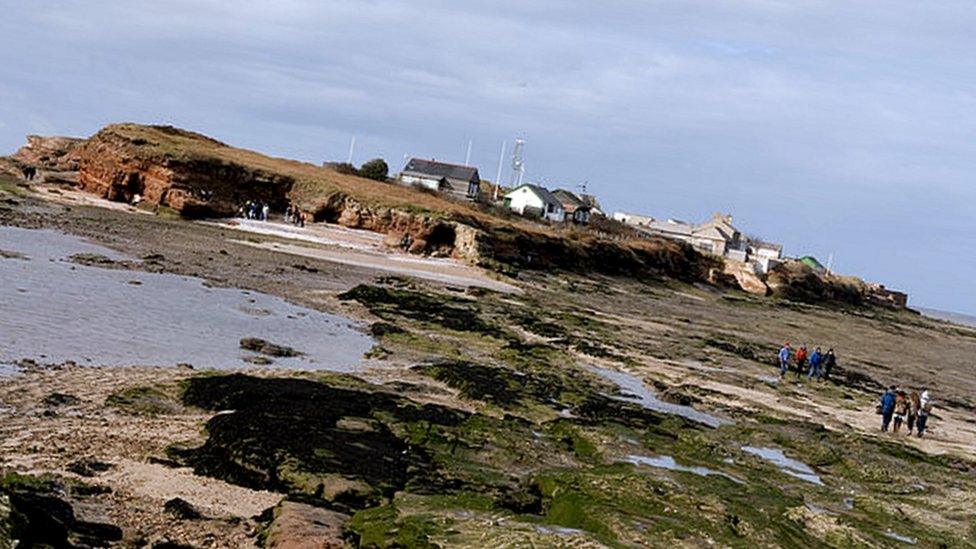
(267, 348)
(61, 399)
(89, 467)
(182, 509)
(40, 516)
(380, 329)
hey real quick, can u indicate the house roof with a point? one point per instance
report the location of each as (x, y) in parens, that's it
(419, 166)
(569, 200)
(541, 192)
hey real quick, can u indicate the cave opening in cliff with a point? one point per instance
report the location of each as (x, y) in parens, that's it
(441, 238)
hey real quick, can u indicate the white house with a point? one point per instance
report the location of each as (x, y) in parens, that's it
(452, 179)
(535, 201)
(634, 220)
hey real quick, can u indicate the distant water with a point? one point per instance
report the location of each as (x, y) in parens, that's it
(958, 318)
(52, 311)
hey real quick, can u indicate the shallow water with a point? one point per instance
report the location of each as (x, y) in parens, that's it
(53, 311)
(901, 538)
(789, 466)
(635, 390)
(668, 462)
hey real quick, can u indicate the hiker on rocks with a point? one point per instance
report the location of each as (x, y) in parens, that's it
(302, 216)
(887, 407)
(265, 210)
(801, 360)
(914, 404)
(288, 214)
(925, 408)
(784, 359)
(829, 361)
(901, 409)
(816, 360)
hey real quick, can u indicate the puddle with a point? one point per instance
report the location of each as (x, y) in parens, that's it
(55, 311)
(901, 538)
(789, 466)
(634, 390)
(668, 462)
(558, 530)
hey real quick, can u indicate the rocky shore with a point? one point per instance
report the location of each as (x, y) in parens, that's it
(485, 418)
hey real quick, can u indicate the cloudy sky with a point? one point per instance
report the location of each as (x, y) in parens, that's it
(835, 127)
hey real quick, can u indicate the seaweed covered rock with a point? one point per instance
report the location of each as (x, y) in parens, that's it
(36, 512)
(452, 313)
(332, 444)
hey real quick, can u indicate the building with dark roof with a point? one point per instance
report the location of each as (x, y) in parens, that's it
(577, 211)
(452, 179)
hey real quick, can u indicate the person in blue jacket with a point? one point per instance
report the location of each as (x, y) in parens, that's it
(888, 407)
(784, 359)
(816, 361)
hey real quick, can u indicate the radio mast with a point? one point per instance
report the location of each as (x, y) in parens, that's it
(518, 164)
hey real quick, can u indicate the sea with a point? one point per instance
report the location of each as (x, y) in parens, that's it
(958, 318)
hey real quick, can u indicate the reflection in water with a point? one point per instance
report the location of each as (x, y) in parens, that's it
(635, 390)
(789, 466)
(668, 462)
(54, 311)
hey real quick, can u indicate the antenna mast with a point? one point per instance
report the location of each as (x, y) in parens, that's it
(518, 164)
(498, 176)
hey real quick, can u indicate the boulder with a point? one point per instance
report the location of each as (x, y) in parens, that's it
(300, 526)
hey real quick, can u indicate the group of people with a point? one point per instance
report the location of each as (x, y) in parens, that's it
(260, 211)
(911, 408)
(295, 216)
(897, 407)
(820, 363)
(253, 209)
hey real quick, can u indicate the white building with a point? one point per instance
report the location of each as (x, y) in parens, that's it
(635, 220)
(536, 201)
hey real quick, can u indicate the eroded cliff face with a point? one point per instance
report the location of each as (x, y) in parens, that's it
(198, 177)
(118, 168)
(49, 153)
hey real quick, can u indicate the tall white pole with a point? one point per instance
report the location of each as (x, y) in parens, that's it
(467, 156)
(352, 146)
(498, 176)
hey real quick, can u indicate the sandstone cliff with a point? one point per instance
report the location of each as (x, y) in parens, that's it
(198, 176)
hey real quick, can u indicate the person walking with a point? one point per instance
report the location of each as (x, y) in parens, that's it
(901, 409)
(829, 361)
(816, 359)
(925, 408)
(887, 407)
(801, 360)
(784, 359)
(265, 210)
(914, 405)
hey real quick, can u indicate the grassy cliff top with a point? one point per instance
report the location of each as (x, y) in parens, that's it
(312, 182)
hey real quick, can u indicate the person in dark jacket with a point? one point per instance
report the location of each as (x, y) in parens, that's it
(816, 362)
(829, 361)
(887, 407)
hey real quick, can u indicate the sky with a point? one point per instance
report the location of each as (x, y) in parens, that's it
(835, 127)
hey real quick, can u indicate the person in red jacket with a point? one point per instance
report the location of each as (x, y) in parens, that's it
(801, 360)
